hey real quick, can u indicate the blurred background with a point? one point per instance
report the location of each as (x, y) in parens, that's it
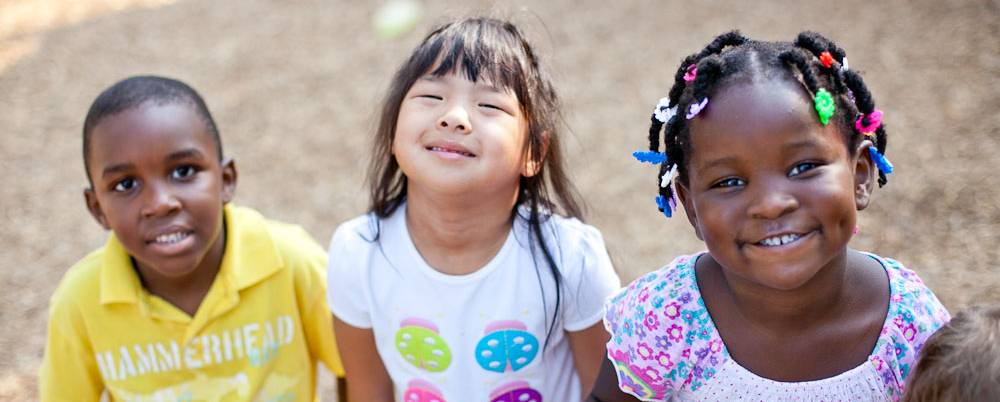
(294, 88)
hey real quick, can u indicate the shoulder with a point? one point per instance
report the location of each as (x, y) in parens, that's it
(662, 338)
(361, 230)
(912, 305)
(914, 314)
(574, 245)
(298, 253)
(80, 286)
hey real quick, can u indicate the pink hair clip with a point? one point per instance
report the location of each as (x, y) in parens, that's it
(874, 121)
(691, 74)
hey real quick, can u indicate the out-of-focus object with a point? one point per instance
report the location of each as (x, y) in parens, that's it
(396, 17)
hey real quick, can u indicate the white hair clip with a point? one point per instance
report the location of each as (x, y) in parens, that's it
(668, 176)
(696, 108)
(663, 112)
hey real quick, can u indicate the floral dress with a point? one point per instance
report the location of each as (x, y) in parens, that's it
(664, 345)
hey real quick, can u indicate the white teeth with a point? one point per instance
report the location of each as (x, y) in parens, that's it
(171, 237)
(780, 240)
(439, 149)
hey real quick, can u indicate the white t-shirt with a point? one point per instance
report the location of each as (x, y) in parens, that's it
(475, 337)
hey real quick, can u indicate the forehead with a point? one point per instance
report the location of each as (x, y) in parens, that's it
(744, 118)
(146, 132)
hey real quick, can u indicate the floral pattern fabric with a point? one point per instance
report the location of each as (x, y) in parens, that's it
(663, 341)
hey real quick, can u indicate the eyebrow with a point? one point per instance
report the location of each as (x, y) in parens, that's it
(185, 154)
(717, 162)
(118, 167)
(809, 143)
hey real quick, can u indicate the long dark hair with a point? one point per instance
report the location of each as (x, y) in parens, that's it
(494, 51)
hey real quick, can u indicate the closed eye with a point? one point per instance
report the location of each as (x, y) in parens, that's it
(430, 96)
(491, 106)
(802, 168)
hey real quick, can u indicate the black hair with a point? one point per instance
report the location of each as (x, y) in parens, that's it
(135, 91)
(732, 57)
(494, 51)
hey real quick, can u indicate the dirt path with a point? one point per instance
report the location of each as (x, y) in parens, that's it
(293, 89)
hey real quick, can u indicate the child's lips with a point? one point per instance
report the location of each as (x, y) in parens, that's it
(450, 150)
(171, 240)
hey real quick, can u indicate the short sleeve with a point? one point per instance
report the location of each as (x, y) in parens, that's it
(309, 261)
(590, 282)
(69, 371)
(348, 273)
(662, 339)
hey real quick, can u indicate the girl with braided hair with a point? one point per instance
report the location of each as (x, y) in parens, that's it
(464, 282)
(771, 148)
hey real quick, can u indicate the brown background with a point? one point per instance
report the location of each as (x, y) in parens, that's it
(294, 85)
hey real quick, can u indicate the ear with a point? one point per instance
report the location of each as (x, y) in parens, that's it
(532, 167)
(228, 180)
(684, 195)
(864, 175)
(94, 206)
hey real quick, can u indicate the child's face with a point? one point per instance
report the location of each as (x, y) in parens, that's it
(454, 136)
(159, 185)
(771, 191)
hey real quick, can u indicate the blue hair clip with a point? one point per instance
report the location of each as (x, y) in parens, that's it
(655, 158)
(883, 164)
(667, 206)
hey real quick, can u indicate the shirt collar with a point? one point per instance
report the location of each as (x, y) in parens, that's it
(250, 257)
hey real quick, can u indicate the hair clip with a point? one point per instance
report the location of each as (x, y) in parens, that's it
(880, 160)
(691, 74)
(653, 157)
(668, 176)
(696, 108)
(666, 205)
(843, 64)
(826, 59)
(824, 105)
(874, 121)
(663, 112)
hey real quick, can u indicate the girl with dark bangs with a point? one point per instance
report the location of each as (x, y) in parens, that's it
(471, 277)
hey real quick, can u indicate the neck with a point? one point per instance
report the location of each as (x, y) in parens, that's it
(186, 292)
(458, 234)
(782, 310)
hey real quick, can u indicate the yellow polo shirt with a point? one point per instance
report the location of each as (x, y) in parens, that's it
(257, 335)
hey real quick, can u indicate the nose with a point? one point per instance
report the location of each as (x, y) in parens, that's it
(160, 200)
(455, 118)
(772, 202)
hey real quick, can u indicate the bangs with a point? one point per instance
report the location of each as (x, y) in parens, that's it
(478, 52)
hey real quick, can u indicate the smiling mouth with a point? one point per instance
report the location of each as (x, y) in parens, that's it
(171, 238)
(780, 240)
(451, 151)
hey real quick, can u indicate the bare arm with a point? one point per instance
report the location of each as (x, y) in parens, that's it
(367, 379)
(589, 349)
(606, 387)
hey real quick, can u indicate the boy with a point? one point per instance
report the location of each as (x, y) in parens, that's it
(190, 298)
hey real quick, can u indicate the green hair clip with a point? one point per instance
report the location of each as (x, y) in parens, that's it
(824, 105)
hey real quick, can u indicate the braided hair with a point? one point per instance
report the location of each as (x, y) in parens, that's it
(815, 61)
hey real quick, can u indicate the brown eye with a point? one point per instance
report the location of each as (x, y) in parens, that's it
(730, 182)
(182, 172)
(124, 185)
(802, 168)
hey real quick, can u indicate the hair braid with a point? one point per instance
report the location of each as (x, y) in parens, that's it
(866, 105)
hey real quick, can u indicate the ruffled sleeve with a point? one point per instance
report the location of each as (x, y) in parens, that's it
(915, 313)
(662, 338)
